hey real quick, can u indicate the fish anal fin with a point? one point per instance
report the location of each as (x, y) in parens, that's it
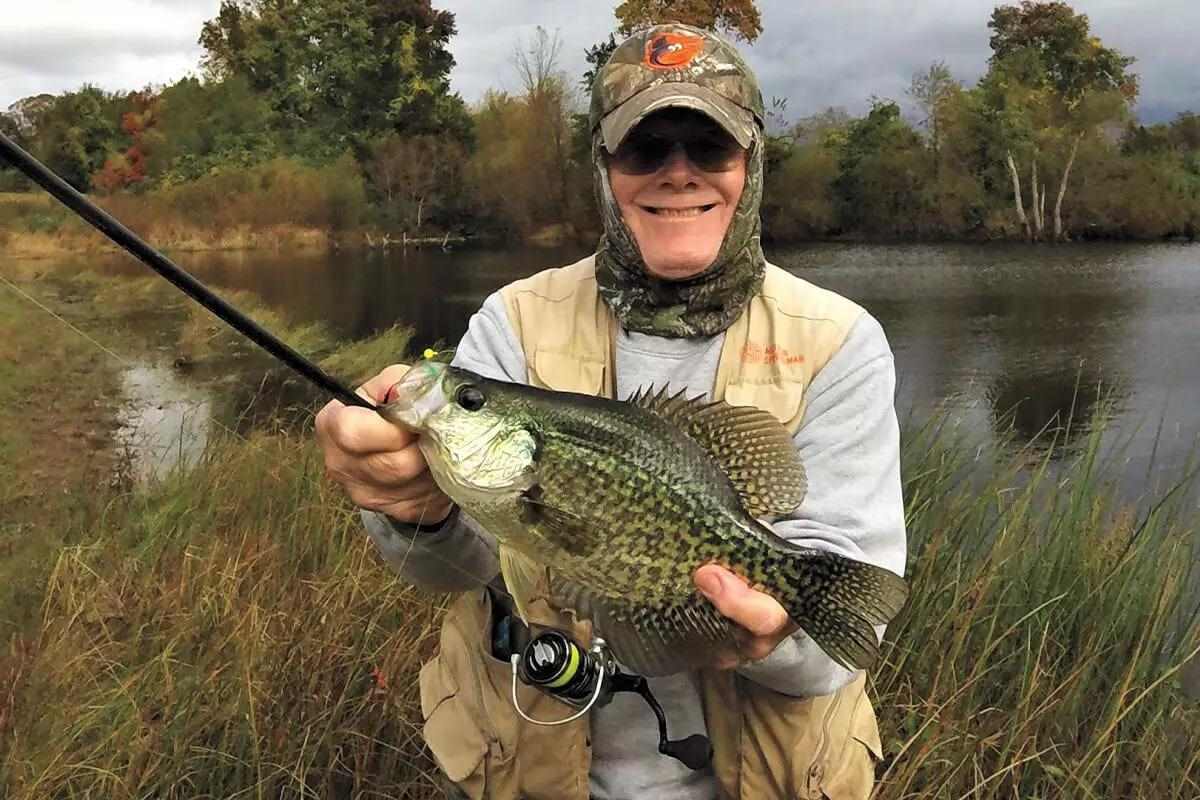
(751, 447)
(676, 636)
(523, 577)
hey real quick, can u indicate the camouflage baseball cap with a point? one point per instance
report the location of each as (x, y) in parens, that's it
(675, 65)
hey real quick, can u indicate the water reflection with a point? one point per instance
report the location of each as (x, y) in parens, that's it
(1000, 335)
(164, 420)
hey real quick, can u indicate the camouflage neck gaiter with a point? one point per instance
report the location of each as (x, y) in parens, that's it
(703, 305)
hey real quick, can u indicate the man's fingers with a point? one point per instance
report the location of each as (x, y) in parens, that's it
(376, 388)
(377, 463)
(759, 613)
(360, 431)
(396, 466)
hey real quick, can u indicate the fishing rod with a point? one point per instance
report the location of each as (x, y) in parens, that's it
(129, 241)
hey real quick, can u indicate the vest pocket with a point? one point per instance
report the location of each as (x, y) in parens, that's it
(565, 372)
(455, 739)
(472, 729)
(850, 774)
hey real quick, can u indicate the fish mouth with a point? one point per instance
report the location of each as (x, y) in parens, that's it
(411, 400)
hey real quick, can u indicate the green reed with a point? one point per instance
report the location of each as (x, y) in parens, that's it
(1041, 651)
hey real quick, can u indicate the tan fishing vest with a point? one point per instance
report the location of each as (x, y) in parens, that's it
(766, 745)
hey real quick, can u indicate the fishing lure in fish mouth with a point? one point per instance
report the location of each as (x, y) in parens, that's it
(411, 400)
(623, 501)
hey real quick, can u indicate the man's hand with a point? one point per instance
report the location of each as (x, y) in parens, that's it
(376, 462)
(762, 622)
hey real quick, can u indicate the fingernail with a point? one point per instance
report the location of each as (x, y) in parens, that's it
(710, 584)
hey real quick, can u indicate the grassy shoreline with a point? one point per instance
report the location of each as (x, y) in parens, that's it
(34, 226)
(229, 630)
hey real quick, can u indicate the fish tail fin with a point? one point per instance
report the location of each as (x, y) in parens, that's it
(837, 601)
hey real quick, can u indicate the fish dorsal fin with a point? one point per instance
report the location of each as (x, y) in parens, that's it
(752, 448)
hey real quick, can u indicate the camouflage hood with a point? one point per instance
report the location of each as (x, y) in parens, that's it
(700, 71)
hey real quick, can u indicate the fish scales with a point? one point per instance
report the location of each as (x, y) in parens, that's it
(666, 509)
(622, 502)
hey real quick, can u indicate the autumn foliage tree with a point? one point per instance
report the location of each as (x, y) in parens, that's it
(526, 166)
(415, 177)
(127, 168)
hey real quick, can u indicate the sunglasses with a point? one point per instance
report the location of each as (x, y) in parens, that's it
(643, 154)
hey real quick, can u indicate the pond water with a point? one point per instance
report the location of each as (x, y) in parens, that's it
(999, 334)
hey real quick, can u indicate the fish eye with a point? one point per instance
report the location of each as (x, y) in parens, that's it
(469, 397)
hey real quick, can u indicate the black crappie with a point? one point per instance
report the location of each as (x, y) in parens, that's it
(623, 501)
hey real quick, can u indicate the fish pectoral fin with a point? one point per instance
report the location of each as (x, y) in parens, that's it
(751, 447)
(562, 528)
(673, 637)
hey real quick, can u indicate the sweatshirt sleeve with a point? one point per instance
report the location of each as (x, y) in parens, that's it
(458, 555)
(849, 443)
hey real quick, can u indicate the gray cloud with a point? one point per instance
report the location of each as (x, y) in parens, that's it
(840, 54)
(114, 44)
(74, 54)
(815, 54)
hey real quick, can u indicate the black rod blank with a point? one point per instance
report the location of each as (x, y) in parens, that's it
(129, 241)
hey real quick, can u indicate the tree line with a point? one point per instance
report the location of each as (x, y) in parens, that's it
(348, 102)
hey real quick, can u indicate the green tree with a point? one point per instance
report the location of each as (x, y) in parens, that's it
(1184, 132)
(338, 71)
(204, 124)
(798, 195)
(738, 18)
(1049, 84)
(878, 189)
(74, 133)
(955, 199)
(596, 57)
(930, 90)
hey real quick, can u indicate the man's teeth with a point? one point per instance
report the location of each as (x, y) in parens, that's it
(694, 211)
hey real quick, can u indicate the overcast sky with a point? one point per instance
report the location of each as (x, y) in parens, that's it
(816, 54)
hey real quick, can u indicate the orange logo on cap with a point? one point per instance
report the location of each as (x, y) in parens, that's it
(671, 50)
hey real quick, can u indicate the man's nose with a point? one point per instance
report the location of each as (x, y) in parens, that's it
(678, 169)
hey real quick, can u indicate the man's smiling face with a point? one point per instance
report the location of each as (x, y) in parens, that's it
(677, 178)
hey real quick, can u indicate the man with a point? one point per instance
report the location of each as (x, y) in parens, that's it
(677, 293)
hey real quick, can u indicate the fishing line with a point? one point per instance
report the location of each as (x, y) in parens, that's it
(124, 362)
(128, 363)
(189, 285)
(130, 242)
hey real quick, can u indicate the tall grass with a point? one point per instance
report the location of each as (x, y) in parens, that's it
(279, 192)
(279, 203)
(1039, 655)
(230, 633)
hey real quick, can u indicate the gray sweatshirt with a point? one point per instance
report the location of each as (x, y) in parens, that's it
(849, 443)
